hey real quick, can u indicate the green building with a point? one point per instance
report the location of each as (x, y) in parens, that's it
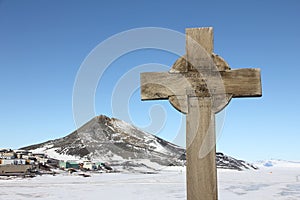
(68, 164)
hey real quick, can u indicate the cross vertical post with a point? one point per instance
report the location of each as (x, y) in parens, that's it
(201, 171)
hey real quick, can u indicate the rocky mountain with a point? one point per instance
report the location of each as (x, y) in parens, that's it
(117, 142)
(227, 162)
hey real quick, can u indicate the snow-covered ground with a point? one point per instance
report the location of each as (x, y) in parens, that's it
(274, 180)
(280, 180)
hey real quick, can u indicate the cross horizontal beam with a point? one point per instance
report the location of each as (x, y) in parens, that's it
(238, 83)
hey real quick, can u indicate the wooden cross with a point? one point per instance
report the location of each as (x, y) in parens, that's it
(199, 85)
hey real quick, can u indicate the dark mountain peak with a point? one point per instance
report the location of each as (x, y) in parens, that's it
(113, 140)
(116, 141)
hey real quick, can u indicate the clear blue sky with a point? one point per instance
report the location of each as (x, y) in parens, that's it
(43, 44)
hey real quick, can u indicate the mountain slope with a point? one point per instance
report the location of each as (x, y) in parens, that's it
(115, 141)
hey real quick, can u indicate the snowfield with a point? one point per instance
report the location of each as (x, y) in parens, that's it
(280, 180)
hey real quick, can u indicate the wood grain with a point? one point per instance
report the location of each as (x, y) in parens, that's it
(201, 170)
(200, 84)
(238, 83)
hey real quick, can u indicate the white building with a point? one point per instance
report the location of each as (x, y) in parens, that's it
(89, 165)
(13, 162)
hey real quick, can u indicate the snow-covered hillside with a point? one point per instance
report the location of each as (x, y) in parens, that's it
(114, 141)
(227, 162)
(117, 142)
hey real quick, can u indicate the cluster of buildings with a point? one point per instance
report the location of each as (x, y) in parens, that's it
(19, 161)
(22, 162)
(21, 157)
(85, 165)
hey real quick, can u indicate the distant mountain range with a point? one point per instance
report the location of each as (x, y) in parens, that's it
(117, 142)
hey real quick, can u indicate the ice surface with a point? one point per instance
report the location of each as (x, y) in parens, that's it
(281, 181)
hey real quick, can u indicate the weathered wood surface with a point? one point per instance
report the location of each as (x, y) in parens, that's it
(182, 66)
(201, 150)
(199, 36)
(201, 171)
(238, 83)
(200, 84)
